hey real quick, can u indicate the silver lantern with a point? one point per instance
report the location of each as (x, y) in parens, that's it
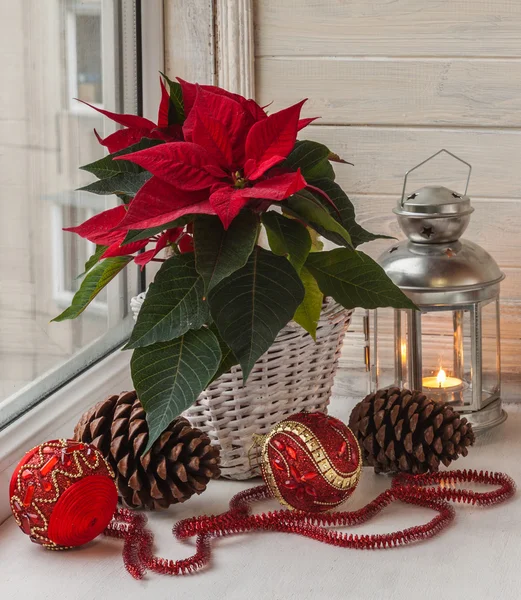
(450, 348)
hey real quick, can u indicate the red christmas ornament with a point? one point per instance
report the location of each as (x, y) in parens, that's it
(311, 462)
(63, 494)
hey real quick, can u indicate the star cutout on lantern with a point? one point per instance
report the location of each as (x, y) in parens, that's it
(412, 196)
(427, 232)
(393, 249)
(450, 252)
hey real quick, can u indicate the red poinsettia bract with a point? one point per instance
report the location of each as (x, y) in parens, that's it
(219, 161)
(225, 163)
(136, 128)
(102, 230)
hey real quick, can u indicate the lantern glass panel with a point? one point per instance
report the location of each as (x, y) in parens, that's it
(455, 353)
(491, 364)
(380, 354)
(400, 350)
(446, 341)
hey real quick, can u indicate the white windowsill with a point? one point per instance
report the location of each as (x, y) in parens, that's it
(477, 556)
(56, 416)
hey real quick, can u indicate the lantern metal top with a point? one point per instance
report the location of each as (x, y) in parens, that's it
(443, 274)
(433, 201)
(434, 214)
(434, 267)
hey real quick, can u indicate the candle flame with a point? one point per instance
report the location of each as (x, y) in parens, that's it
(404, 352)
(441, 378)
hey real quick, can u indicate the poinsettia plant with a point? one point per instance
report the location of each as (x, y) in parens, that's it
(203, 181)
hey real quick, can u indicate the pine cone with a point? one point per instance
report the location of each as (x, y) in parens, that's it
(180, 463)
(399, 430)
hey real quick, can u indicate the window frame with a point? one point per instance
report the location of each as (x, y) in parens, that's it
(98, 369)
(119, 319)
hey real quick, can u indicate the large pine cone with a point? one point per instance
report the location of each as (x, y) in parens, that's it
(179, 464)
(399, 430)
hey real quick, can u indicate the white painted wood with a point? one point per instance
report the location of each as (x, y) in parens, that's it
(477, 557)
(189, 40)
(388, 28)
(128, 50)
(394, 81)
(211, 42)
(153, 55)
(234, 39)
(381, 155)
(395, 91)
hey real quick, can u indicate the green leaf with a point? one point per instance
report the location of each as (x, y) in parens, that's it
(128, 184)
(94, 259)
(333, 157)
(107, 167)
(95, 280)
(253, 304)
(220, 252)
(228, 359)
(313, 160)
(317, 245)
(169, 376)
(288, 238)
(354, 280)
(135, 235)
(307, 314)
(176, 113)
(125, 198)
(358, 234)
(305, 206)
(174, 304)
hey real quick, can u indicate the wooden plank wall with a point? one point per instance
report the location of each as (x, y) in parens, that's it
(394, 81)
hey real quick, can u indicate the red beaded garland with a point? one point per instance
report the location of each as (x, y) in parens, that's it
(311, 462)
(63, 494)
(421, 490)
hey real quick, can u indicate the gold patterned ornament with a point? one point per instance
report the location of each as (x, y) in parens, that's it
(62, 494)
(310, 462)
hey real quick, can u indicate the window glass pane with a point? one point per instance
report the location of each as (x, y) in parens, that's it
(88, 57)
(52, 52)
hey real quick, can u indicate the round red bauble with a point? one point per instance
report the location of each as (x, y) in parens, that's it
(311, 462)
(63, 494)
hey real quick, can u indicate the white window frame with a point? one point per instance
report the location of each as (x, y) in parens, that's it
(57, 414)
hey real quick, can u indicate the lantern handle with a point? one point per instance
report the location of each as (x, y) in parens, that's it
(427, 160)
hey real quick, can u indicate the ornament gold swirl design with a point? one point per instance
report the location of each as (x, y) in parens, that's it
(315, 451)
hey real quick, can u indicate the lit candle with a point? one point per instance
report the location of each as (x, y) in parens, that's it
(442, 381)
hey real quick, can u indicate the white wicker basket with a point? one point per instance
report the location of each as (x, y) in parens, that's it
(294, 374)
